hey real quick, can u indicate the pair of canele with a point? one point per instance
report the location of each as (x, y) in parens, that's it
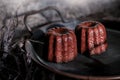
(64, 44)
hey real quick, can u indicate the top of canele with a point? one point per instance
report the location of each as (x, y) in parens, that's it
(59, 31)
(92, 24)
(62, 31)
(89, 24)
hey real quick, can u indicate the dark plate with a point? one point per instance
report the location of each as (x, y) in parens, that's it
(104, 66)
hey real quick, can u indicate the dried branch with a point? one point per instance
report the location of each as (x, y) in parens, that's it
(7, 33)
(41, 12)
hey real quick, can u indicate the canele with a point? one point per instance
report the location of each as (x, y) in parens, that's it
(61, 45)
(91, 37)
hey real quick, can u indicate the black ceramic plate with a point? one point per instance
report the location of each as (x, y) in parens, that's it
(104, 66)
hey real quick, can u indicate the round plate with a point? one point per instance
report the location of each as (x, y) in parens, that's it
(104, 66)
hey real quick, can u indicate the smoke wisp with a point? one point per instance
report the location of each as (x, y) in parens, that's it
(69, 7)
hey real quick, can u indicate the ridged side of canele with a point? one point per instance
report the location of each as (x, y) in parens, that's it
(91, 39)
(61, 47)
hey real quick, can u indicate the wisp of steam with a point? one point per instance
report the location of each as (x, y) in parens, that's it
(69, 7)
